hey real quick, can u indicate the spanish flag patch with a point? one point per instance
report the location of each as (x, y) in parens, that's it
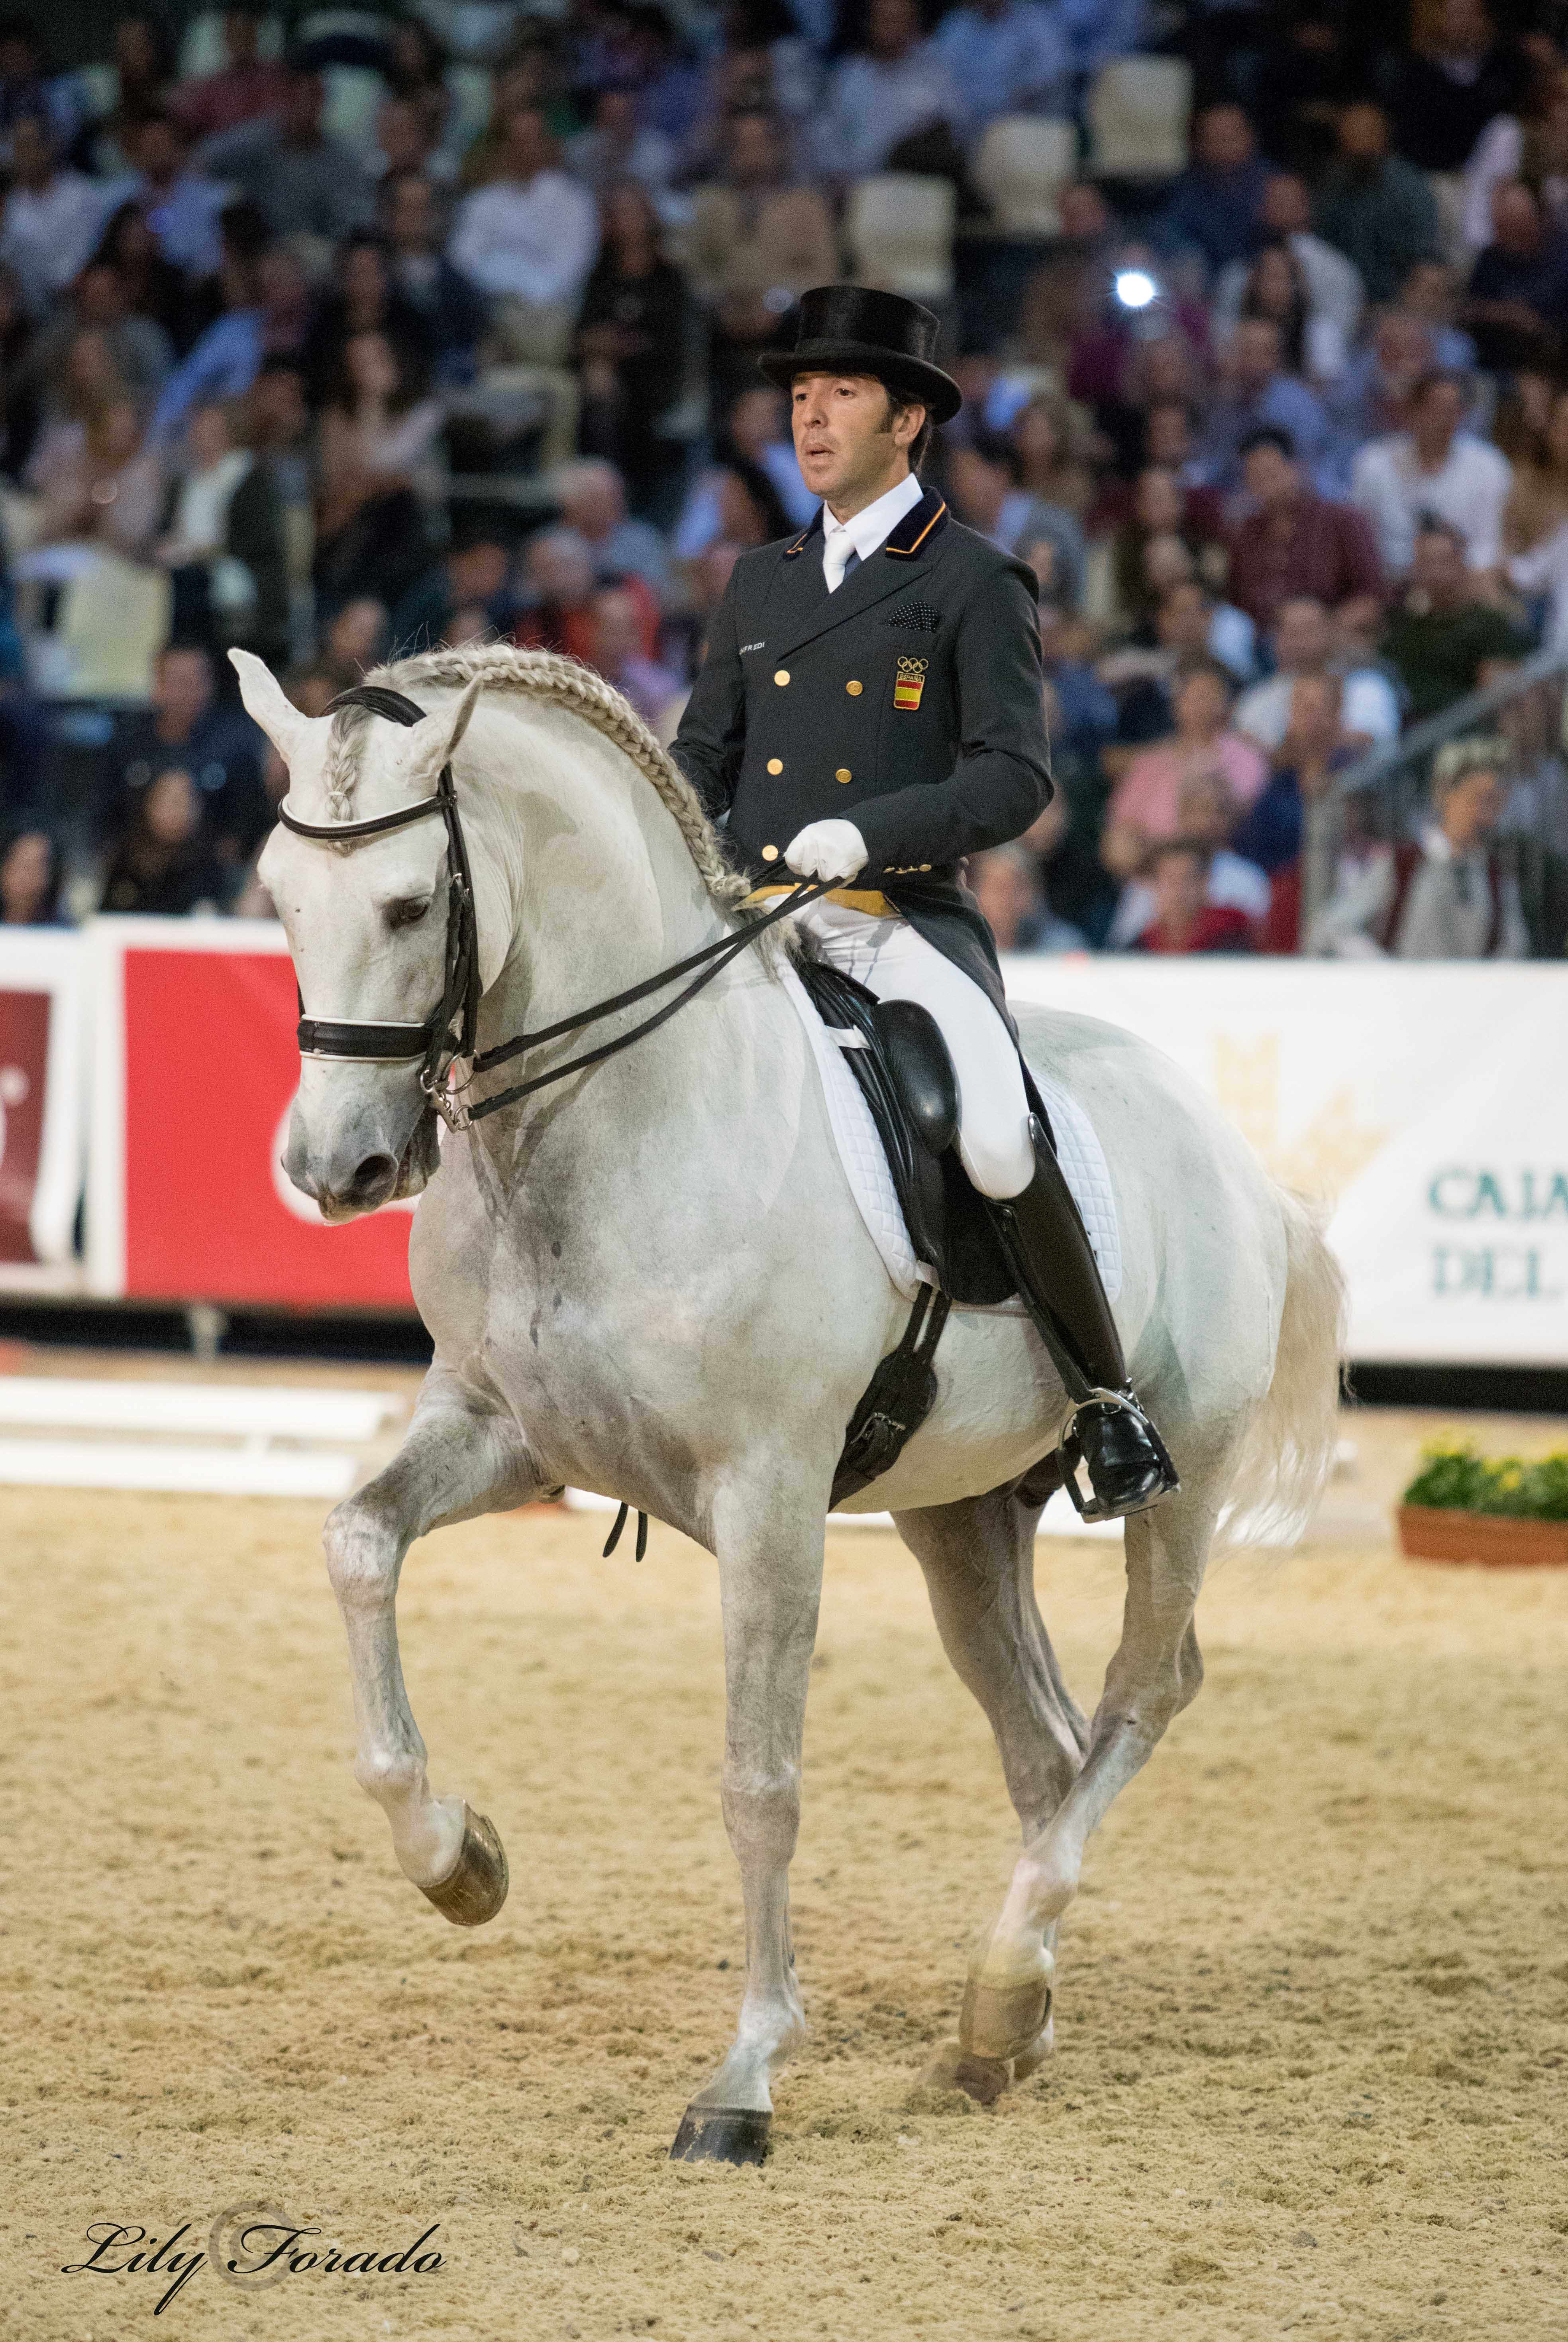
(908, 683)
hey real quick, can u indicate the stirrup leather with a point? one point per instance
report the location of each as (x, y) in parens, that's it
(1099, 1406)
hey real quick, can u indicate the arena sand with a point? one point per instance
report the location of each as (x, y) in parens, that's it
(1313, 1999)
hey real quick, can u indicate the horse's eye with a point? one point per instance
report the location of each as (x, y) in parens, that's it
(408, 912)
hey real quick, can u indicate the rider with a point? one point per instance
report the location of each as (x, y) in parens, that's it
(869, 711)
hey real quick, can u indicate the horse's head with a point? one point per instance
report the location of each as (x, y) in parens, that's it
(366, 924)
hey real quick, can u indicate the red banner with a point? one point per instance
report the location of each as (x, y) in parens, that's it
(210, 1071)
(23, 1066)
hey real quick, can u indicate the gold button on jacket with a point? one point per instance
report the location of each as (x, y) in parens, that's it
(775, 763)
(781, 674)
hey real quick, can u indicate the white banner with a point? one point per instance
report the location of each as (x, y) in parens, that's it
(1427, 1100)
(41, 1107)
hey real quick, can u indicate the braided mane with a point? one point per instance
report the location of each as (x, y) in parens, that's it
(562, 683)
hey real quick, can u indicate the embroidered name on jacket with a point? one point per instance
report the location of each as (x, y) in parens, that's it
(908, 683)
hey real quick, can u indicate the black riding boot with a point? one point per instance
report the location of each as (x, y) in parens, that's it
(1048, 1250)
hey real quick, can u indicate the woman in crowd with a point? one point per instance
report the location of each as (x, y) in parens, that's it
(165, 865)
(377, 476)
(631, 342)
(1312, 343)
(152, 286)
(97, 483)
(1144, 809)
(30, 871)
(224, 542)
(1160, 542)
(1047, 469)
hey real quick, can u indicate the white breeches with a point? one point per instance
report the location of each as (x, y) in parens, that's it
(890, 959)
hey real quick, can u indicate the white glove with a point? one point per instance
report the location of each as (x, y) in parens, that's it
(833, 850)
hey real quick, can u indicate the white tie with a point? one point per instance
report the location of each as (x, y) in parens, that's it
(838, 555)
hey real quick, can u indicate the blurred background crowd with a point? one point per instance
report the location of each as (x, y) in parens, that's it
(347, 332)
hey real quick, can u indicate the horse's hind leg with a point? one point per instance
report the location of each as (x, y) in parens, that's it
(460, 1458)
(1155, 1673)
(978, 1557)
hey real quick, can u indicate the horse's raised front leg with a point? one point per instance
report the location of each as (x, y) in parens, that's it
(460, 1458)
(978, 1557)
(1155, 1673)
(770, 1548)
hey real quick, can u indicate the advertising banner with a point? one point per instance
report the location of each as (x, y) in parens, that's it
(1424, 1100)
(195, 1074)
(41, 1107)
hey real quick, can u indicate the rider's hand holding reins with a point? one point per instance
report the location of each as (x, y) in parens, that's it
(831, 850)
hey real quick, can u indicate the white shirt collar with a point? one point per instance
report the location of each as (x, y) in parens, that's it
(875, 525)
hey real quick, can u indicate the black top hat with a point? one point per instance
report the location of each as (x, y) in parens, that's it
(849, 329)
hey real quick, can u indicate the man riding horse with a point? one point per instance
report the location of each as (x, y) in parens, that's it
(871, 710)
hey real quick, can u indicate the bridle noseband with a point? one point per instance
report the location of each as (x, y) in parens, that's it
(435, 1044)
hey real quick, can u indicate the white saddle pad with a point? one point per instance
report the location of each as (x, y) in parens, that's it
(1079, 1151)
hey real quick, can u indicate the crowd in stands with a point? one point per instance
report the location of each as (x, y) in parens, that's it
(342, 337)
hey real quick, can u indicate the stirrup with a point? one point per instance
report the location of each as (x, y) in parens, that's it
(1101, 1403)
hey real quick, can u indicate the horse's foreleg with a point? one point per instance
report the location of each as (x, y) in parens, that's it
(978, 1557)
(1156, 1670)
(460, 1458)
(770, 1551)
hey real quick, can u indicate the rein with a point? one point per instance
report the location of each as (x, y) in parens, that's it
(434, 1042)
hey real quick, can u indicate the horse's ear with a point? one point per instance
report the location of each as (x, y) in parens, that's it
(268, 705)
(432, 742)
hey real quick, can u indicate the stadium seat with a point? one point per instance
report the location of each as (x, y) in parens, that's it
(1022, 165)
(899, 231)
(201, 43)
(1138, 110)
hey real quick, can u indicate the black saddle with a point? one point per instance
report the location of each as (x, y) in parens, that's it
(905, 1075)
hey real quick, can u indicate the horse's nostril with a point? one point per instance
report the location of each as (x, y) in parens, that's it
(376, 1173)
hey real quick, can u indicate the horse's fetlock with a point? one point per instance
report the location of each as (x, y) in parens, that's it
(388, 1776)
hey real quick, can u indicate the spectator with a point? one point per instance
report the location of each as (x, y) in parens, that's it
(1159, 543)
(1145, 806)
(1205, 817)
(452, 313)
(1440, 640)
(1431, 292)
(1518, 294)
(1294, 542)
(1006, 57)
(756, 243)
(593, 501)
(983, 482)
(96, 481)
(764, 66)
(891, 83)
(1377, 209)
(1007, 885)
(622, 149)
(142, 69)
(756, 431)
(355, 640)
(51, 219)
(1367, 704)
(474, 573)
(30, 871)
(1184, 919)
(137, 352)
(165, 865)
(28, 92)
(302, 182)
(1449, 894)
(224, 546)
(246, 88)
(632, 339)
(183, 207)
(1372, 398)
(151, 287)
(1049, 469)
(1301, 831)
(377, 433)
(1335, 296)
(558, 595)
(1435, 466)
(528, 240)
(1257, 395)
(214, 741)
(254, 285)
(1312, 749)
(618, 655)
(406, 144)
(1218, 201)
(1276, 286)
(1531, 144)
(365, 299)
(1450, 86)
(1189, 624)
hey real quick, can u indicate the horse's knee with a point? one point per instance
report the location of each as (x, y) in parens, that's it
(361, 1555)
(762, 1814)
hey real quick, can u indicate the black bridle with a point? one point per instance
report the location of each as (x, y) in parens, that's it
(447, 1037)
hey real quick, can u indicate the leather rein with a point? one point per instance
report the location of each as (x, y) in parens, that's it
(435, 1044)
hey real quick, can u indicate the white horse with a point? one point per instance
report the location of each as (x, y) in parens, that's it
(652, 1281)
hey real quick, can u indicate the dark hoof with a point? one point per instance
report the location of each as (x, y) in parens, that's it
(721, 2135)
(1003, 2021)
(955, 2068)
(475, 1888)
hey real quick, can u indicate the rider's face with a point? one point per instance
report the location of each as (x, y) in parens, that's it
(850, 445)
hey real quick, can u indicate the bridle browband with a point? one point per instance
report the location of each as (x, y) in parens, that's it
(433, 1044)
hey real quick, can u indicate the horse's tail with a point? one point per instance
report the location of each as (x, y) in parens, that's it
(1290, 1447)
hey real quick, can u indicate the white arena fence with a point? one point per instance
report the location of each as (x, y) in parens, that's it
(155, 1060)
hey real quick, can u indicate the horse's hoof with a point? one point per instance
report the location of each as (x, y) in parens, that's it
(1029, 2061)
(475, 1888)
(1002, 2021)
(721, 2135)
(955, 2068)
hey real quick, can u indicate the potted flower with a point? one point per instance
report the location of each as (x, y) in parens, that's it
(1462, 1506)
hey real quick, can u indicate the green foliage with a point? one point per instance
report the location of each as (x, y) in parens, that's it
(1456, 1476)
